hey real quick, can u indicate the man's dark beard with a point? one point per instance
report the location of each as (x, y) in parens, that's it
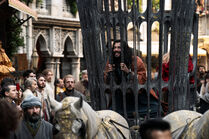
(39, 86)
(69, 90)
(32, 118)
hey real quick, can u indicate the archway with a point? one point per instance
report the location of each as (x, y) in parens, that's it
(66, 61)
(40, 45)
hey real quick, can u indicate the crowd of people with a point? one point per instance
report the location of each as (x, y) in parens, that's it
(28, 107)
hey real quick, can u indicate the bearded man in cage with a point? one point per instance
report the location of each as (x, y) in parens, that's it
(127, 67)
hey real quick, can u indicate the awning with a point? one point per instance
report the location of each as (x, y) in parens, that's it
(16, 4)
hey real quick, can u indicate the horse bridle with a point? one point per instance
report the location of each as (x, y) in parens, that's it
(77, 123)
(82, 127)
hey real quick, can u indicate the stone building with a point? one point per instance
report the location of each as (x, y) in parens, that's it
(203, 32)
(54, 40)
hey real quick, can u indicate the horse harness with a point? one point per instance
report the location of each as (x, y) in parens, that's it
(107, 126)
(107, 123)
(186, 127)
(107, 120)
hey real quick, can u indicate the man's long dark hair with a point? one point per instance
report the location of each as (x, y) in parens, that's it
(127, 54)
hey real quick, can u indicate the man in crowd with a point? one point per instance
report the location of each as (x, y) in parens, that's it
(32, 126)
(43, 96)
(30, 86)
(69, 83)
(200, 77)
(82, 85)
(4, 82)
(60, 88)
(9, 92)
(155, 129)
(48, 75)
(201, 70)
(29, 74)
(126, 68)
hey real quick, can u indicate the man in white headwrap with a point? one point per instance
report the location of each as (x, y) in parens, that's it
(32, 126)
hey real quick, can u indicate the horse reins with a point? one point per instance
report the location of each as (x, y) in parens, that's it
(114, 122)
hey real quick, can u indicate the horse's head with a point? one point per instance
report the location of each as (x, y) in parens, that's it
(75, 117)
(70, 117)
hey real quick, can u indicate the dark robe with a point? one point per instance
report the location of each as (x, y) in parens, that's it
(44, 131)
(130, 98)
(73, 93)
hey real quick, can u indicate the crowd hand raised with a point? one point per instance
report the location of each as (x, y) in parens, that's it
(124, 67)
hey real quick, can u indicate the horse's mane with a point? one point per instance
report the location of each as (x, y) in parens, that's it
(93, 120)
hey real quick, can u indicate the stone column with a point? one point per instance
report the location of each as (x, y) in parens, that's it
(76, 68)
(53, 63)
(57, 67)
(29, 39)
(50, 63)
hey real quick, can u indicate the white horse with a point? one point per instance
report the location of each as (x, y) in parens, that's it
(188, 124)
(77, 119)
